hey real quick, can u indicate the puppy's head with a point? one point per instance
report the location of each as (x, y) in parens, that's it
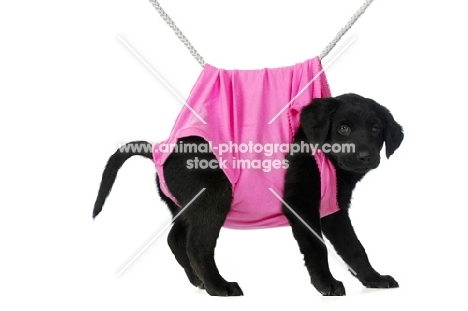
(351, 130)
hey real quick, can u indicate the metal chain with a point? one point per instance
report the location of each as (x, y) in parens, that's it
(177, 31)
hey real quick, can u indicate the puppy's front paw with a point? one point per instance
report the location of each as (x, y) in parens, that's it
(224, 289)
(331, 288)
(380, 281)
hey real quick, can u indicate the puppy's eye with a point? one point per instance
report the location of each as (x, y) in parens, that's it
(375, 129)
(344, 130)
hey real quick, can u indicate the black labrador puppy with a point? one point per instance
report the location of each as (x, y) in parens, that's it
(346, 119)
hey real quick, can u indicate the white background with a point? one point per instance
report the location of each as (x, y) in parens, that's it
(70, 92)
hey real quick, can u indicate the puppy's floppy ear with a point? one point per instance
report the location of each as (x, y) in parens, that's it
(315, 119)
(393, 134)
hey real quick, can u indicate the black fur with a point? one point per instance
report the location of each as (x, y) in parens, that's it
(348, 118)
(114, 163)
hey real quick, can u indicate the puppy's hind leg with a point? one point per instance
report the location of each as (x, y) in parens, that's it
(177, 240)
(204, 217)
(205, 221)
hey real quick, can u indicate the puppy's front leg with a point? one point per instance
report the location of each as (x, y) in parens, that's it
(339, 230)
(302, 195)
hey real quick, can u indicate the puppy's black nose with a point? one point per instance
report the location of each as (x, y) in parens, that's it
(364, 157)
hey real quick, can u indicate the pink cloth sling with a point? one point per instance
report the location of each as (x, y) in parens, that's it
(237, 106)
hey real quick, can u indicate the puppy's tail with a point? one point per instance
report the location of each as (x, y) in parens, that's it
(115, 162)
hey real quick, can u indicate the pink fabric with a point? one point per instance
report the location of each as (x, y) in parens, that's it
(237, 106)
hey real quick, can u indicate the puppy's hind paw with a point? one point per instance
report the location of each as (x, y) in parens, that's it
(381, 281)
(194, 279)
(225, 289)
(334, 288)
